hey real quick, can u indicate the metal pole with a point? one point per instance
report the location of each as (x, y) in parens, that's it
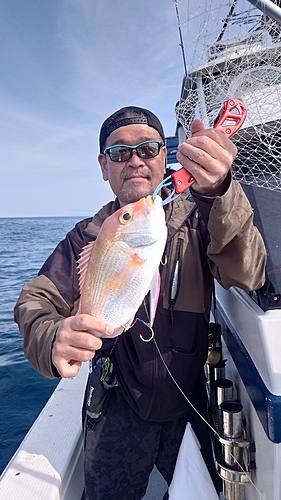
(268, 8)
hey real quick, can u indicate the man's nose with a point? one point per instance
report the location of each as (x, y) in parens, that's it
(135, 160)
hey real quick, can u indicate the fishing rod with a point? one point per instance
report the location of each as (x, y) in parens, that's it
(180, 35)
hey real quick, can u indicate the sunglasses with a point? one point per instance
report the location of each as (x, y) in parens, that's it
(144, 150)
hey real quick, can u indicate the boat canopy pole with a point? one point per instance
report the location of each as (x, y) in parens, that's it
(229, 16)
(269, 8)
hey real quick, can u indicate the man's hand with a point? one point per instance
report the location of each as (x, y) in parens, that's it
(207, 155)
(76, 342)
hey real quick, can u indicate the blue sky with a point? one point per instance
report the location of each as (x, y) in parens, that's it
(65, 66)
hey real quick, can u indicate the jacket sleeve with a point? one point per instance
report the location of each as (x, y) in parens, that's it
(236, 251)
(39, 311)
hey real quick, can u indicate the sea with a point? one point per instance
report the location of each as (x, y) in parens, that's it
(25, 243)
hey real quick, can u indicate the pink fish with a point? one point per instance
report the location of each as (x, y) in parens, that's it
(117, 270)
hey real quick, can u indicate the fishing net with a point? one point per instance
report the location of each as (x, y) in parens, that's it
(233, 50)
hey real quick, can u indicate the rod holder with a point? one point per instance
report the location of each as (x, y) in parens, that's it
(215, 372)
(233, 491)
(223, 390)
(232, 419)
(230, 447)
(219, 371)
(232, 429)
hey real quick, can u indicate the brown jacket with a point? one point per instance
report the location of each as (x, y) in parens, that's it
(206, 238)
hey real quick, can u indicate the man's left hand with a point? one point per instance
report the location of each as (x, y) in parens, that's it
(207, 155)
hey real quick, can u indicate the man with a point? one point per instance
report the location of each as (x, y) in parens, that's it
(209, 235)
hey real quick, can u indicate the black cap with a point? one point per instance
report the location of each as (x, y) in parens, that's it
(120, 118)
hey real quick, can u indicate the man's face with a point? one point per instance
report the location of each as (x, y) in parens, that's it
(137, 177)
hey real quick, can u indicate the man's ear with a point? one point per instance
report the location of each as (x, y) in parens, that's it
(103, 164)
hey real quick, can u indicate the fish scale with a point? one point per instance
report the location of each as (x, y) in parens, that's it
(118, 269)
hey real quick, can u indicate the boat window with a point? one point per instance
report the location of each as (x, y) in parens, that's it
(267, 217)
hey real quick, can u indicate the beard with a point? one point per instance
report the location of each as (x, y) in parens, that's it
(137, 190)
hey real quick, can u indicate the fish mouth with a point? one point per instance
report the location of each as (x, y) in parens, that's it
(149, 201)
(153, 201)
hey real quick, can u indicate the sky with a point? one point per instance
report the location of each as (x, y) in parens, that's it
(65, 66)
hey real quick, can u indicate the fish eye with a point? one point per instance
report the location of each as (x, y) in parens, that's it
(125, 217)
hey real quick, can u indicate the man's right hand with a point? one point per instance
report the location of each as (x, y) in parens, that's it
(76, 342)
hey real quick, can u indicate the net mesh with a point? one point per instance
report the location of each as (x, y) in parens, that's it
(234, 51)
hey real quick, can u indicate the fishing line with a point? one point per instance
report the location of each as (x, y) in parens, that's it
(181, 391)
(202, 418)
(148, 325)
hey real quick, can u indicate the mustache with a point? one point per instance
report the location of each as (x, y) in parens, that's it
(145, 172)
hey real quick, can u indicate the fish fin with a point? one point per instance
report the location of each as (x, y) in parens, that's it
(82, 264)
(136, 260)
(154, 295)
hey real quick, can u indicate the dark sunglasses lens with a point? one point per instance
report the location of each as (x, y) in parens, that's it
(123, 153)
(119, 154)
(148, 150)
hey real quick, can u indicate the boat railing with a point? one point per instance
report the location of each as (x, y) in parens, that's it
(49, 462)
